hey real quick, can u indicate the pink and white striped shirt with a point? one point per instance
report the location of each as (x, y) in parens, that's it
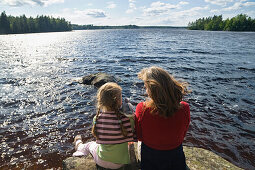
(109, 130)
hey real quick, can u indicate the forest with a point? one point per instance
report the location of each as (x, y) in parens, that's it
(240, 22)
(22, 24)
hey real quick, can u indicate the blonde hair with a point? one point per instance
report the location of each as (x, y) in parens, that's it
(109, 96)
(165, 92)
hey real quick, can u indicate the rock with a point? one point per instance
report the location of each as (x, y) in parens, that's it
(196, 158)
(79, 163)
(98, 79)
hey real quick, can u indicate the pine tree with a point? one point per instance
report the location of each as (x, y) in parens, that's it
(4, 24)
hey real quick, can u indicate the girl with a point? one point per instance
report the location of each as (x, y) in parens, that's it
(162, 121)
(112, 129)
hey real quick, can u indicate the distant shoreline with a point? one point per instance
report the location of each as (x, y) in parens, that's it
(93, 27)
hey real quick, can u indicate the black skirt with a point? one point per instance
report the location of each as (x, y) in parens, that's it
(152, 159)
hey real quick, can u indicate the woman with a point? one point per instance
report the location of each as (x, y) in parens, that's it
(162, 121)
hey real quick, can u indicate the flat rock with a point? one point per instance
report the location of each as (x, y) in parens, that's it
(196, 158)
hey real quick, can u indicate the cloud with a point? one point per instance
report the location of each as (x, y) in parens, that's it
(132, 6)
(22, 2)
(88, 13)
(160, 8)
(174, 17)
(236, 6)
(192, 12)
(183, 3)
(50, 2)
(239, 5)
(182, 18)
(85, 17)
(219, 2)
(95, 13)
(18, 3)
(249, 3)
(214, 11)
(111, 5)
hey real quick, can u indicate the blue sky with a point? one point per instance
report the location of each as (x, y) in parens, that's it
(124, 12)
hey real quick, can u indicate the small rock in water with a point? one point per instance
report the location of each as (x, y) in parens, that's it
(98, 79)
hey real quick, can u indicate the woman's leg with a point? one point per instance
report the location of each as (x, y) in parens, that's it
(147, 158)
(158, 159)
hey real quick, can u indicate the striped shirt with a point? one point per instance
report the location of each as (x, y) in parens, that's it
(109, 130)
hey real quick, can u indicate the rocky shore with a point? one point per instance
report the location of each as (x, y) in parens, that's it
(196, 158)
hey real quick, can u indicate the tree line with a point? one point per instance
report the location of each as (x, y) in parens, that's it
(22, 24)
(89, 27)
(240, 22)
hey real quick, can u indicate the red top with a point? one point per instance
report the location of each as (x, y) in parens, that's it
(161, 133)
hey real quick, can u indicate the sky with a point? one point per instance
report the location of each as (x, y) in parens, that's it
(126, 12)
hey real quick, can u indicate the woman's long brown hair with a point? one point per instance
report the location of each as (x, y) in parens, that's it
(109, 96)
(165, 92)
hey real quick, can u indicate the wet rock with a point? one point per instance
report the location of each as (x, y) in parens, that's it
(98, 79)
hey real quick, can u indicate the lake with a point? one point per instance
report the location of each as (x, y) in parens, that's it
(42, 107)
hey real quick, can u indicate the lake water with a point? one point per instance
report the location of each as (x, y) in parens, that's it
(42, 108)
